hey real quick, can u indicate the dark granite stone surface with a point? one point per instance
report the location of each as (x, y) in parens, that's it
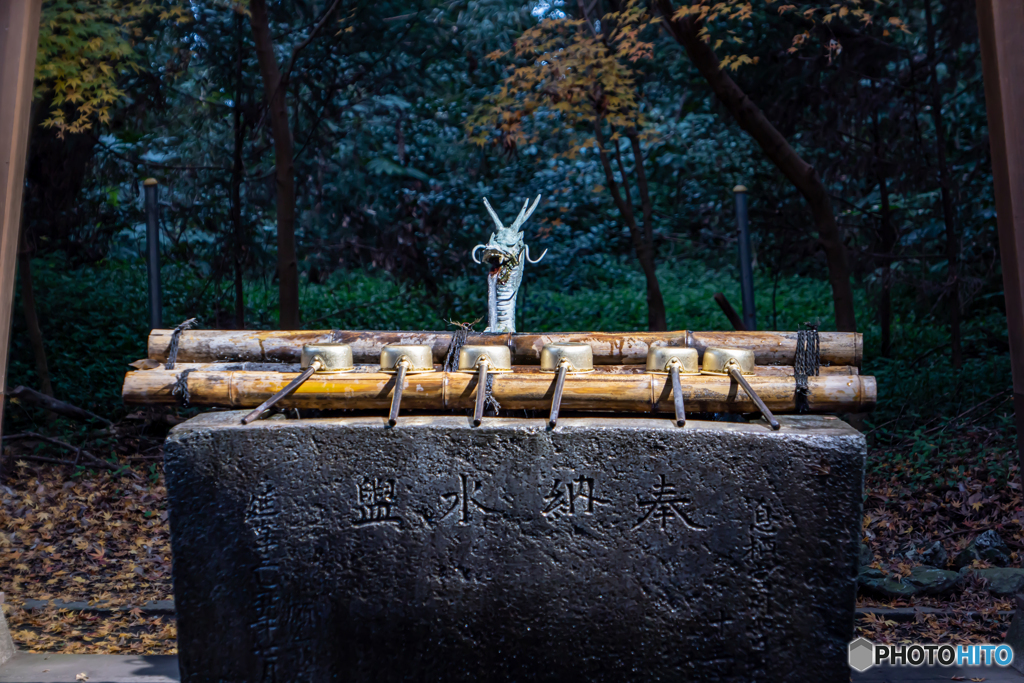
(608, 549)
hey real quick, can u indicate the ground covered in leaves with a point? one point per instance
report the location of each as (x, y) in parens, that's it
(76, 535)
(100, 538)
(945, 487)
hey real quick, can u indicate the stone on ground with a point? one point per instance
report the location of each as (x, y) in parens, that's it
(867, 556)
(922, 581)
(988, 547)
(933, 555)
(6, 644)
(1015, 634)
(1002, 581)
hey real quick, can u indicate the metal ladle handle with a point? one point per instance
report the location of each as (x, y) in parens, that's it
(556, 399)
(481, 392)
(677, 394)
(735, 373)
(291, 386)
(396, 399)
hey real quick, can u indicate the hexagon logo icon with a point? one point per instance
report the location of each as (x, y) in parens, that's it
(862, 654)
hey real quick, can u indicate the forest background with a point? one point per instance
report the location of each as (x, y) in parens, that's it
(322, 164)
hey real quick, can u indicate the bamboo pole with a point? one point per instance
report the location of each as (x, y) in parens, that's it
(610, 348)
(253, 366)
(633, 393)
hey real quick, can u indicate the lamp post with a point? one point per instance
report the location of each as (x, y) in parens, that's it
(153, 253)
(746, 267)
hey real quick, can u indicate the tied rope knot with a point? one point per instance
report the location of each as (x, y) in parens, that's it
(172, 351)
(451, 361)
(459, 337)
(806, 363)
(180, 387)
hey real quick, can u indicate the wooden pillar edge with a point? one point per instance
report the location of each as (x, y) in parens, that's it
(1001, 31)
(19, 38)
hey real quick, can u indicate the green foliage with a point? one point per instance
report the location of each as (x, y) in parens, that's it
(564, 68)
(84, 48)
(935, 423)
(720, 17)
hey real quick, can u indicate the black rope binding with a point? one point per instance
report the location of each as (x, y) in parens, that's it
(172, 352)
(451, 361)
(180, 387)
(807, 363)
(459, 337)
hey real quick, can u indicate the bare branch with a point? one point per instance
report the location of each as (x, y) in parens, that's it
(586, 17)
(309, 39)
(79, 452)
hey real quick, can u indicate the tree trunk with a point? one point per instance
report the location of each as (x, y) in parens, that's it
(803, 176)
(657, 320)
(948, 213)
(887, 239)
(656, 317)
(28, 301)
(886, 244)
(236, 182)
(284, 162)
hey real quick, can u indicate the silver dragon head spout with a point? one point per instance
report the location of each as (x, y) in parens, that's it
(505, 254)
(506, 249)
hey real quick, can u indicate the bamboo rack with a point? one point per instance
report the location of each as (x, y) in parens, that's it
(598, 391)
(244, 366)
(610, 348)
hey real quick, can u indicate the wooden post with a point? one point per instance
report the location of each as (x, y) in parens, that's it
(19, 37)
(1001, 29)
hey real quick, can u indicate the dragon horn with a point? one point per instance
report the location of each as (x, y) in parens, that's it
(497, 221)
(525, 213)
